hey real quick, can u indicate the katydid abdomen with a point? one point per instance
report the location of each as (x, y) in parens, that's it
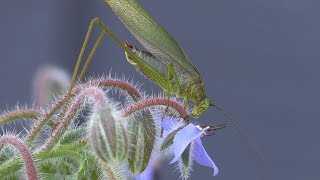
(173, 84)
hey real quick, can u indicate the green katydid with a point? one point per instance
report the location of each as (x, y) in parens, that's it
(176, 76)
(175, 73)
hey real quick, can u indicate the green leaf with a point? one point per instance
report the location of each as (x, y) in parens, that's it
(73, 135)
(168, 141)
(186, 163)
(11, 167)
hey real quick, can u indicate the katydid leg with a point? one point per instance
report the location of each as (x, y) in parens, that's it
(90, 56)
(88, 60)
(176, 84)
(78, 63)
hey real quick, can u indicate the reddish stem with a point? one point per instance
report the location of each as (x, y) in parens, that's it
(99, 99)
(155, 102)
(19, 113)
(27, 158)
(135, 94)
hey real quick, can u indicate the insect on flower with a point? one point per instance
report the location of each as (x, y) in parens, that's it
(165, 62)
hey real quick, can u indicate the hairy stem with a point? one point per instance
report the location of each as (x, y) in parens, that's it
(44, 119)
(108, 82)
(71, 150)
(17, 114)
(155, 102)
(94, 94)
(26, 155)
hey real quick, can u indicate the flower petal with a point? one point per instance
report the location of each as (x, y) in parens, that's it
(201, 157)
(169, 124)
(183, 138)
(148, 174)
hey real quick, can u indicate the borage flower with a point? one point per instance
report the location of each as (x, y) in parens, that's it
(187, 146)
(185, 143)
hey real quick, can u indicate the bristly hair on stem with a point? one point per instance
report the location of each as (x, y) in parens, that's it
(25, 153)
(156, 102)
(93, 95)
(18, 114)
(107, 82)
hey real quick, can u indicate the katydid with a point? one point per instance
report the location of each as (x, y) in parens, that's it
(182, 78)
(177, 76)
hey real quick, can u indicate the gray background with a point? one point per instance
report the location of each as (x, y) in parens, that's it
(259, 61)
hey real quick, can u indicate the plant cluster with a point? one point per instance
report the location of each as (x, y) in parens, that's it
(107, 129)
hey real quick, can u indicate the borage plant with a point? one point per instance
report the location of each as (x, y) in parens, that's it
(126, 134)
(120, 138)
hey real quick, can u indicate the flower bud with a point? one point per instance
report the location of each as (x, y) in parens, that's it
(143, 130)
(108, 135)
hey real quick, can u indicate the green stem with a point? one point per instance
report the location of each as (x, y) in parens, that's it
(72, 150)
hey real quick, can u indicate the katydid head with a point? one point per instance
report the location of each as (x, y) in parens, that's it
(200, 107)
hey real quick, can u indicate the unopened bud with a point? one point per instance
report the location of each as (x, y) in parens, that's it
(142, 137)
(108, 135)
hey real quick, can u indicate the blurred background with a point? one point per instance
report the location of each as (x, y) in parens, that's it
(259, 61)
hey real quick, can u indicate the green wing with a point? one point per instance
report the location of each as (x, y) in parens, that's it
(153, 36)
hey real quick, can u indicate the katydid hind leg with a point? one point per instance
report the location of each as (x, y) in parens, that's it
(87, 62)
(80, 57)
(90, 56)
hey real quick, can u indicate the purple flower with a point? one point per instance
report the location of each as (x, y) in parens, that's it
(190, 135)
(188, 138)
(148, 174)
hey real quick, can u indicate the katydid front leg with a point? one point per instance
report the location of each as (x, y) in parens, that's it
(162, 69)
(88, 60)
(176, 84)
